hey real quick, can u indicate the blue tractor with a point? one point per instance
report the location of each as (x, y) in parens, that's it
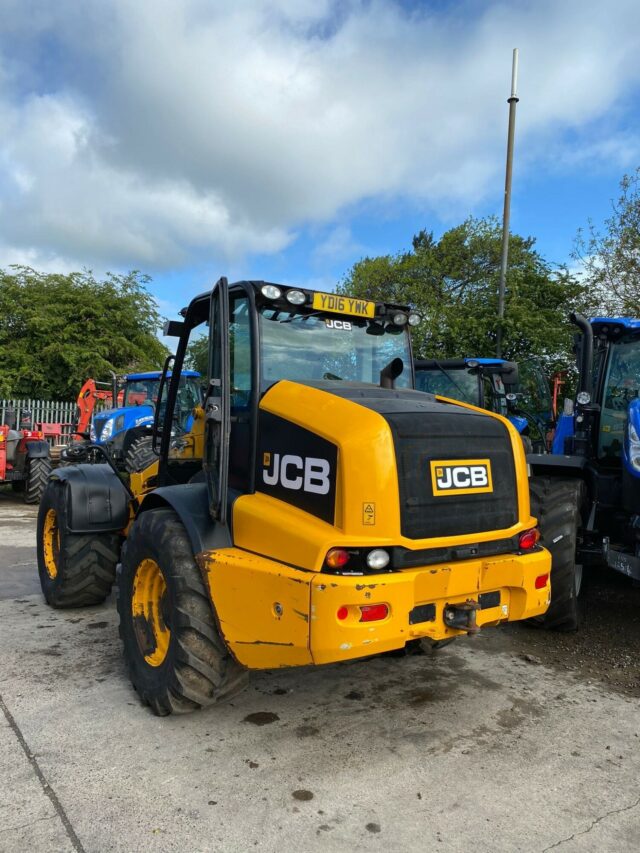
(125, 432)
(586, 493)
(520, 394)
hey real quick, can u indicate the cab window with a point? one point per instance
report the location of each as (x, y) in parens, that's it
(622, 384)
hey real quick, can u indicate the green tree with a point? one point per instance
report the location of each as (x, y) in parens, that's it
(197, 355)
(611, 259)
(56, 330)
(453, 283)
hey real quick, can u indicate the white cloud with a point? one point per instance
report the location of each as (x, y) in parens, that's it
(142, 134)
(337, 245)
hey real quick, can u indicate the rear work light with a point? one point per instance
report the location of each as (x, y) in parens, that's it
(528, 539)
(373, 612)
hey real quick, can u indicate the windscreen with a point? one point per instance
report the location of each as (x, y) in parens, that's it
(141, 392)
(317, 346)
(450, 382)
(622, 385)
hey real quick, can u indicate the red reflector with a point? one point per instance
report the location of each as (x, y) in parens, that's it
(542, 581)
(373, 612)
(343, 612)
(336, 558)
(528, 539)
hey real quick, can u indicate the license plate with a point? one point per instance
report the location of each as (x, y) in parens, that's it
(343, 305)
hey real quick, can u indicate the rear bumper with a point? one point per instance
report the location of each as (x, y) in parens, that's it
(503, 587)
(273, 615)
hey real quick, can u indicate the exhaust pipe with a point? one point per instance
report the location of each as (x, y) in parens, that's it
(390, 373)
(586, 351)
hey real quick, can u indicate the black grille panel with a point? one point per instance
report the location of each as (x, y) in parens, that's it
(421, 437)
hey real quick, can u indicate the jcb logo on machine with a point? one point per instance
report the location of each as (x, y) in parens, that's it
(461, 476)
(295, 473)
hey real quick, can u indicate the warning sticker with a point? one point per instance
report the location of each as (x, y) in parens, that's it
(368, 513)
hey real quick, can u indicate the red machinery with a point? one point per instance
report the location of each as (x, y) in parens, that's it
(24, 461)
(559, 379)
(91, 393)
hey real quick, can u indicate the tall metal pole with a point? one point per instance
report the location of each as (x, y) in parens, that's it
(512, 101)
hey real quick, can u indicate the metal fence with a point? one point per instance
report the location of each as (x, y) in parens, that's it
(37, 412)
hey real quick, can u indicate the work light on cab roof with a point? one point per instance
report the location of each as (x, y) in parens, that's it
(341, 304)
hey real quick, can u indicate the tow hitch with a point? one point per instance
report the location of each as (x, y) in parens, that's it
(462, 616)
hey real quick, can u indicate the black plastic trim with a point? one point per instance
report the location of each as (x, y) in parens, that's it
(97, 499)
(486, 600)
(36, 449)
(190, 502)
(405, 558)
(422, 613)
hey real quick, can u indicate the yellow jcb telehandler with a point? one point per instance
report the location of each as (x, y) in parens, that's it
(319, 510)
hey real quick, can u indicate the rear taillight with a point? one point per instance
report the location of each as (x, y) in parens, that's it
(542, 581)
(337, 558)
(373, 612)
(528, 539)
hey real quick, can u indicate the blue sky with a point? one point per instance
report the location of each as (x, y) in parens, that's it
(286, 139)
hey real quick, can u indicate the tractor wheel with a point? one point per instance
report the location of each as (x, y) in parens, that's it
(38, 471)
(556, 504)
(527, 444)
(140, 455)
(177, 660)
(76, 569)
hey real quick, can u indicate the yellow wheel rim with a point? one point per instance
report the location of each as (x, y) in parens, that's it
(148, 603)
(51, 543)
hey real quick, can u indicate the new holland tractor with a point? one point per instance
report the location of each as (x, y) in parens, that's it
(518, 392)
(586, 493)
(125, 431)
(322, 510)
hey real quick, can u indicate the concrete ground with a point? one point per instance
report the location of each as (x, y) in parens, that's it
(513, 741)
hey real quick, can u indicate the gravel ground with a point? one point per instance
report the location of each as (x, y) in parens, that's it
(515, 740)
(607, 648)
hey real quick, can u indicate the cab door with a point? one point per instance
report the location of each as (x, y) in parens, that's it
(217, 405)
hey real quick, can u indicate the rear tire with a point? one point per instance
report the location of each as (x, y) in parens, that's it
(556, 503)
(38, 470)
(527, 444)
(177, 660)
(140, 455)
(75, 569)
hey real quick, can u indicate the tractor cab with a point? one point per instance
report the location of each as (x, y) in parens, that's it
(616, 378)
(123, 428)
(597, 443)
(277, 334)
(519, 393)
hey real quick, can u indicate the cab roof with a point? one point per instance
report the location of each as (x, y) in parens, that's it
(615, 326)
(156, 374)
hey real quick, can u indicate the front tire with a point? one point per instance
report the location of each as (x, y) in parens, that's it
(38, 470)
(140, 455)
(177, 660)
(557, 503)
(75, 569)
